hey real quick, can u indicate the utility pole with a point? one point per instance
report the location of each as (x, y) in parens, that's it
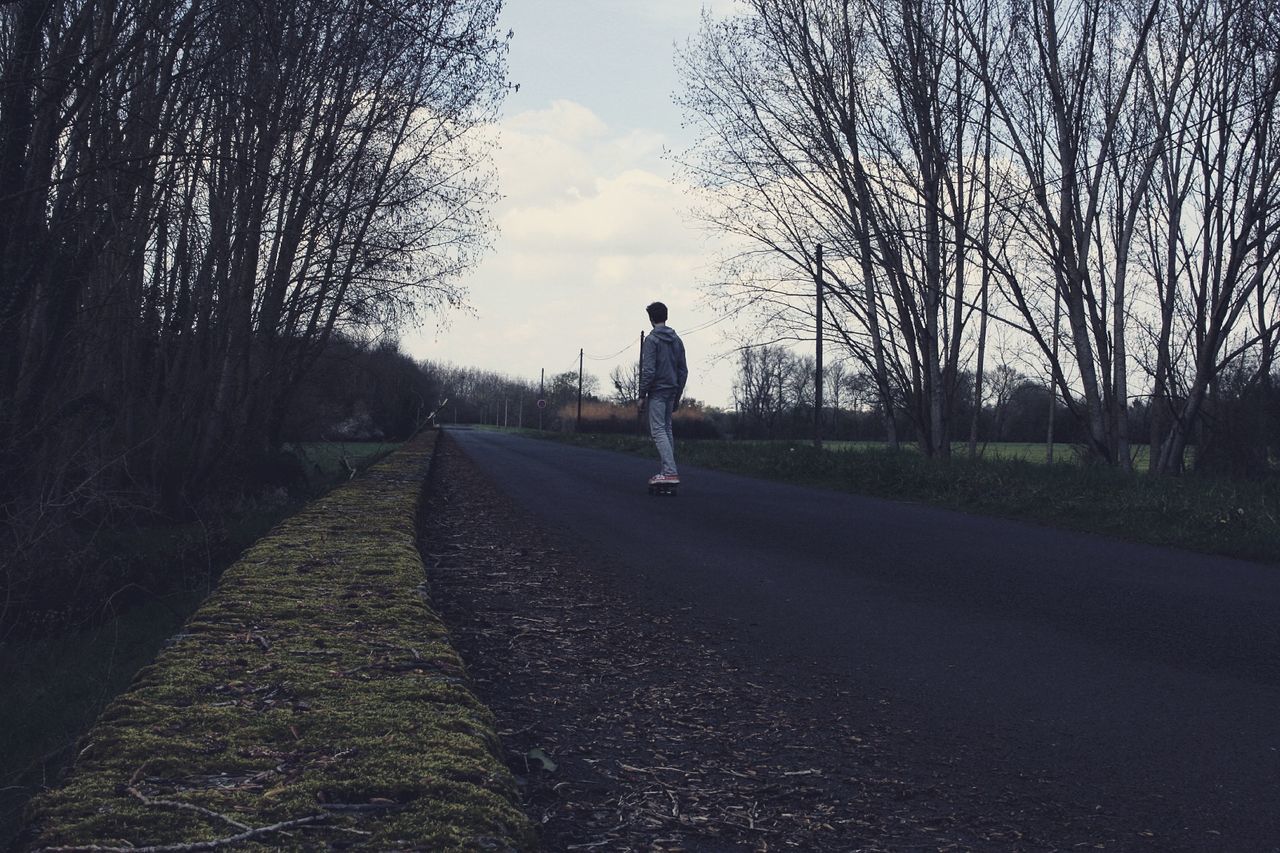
(542, 396)
(577, 427)
(640, 399)
(1053, 373)
(506, 412)
(817, 379)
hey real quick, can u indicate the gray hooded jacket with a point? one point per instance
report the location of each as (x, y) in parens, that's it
(662, 365)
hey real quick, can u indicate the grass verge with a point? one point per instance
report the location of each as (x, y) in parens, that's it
(1230, 517)
(313, 700)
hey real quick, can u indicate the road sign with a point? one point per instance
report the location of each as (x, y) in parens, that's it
(542, 404)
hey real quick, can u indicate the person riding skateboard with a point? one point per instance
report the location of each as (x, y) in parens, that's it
(663, 373)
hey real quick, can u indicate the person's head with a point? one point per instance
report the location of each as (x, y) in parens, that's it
(657, 313)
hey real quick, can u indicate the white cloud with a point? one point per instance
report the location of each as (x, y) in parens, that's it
(565, 120)
(563, 150)
(636, 212)
(592, 230)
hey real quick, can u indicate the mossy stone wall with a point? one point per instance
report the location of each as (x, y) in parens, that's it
(315, 691)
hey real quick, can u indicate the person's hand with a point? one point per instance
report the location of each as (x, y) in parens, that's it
(675, 404)
(640, 404)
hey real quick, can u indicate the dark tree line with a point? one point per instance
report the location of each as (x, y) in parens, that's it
(774, 399)
(358, 391)
(197, 198)
(476, 396)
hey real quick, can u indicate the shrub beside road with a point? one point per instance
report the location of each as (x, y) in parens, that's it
(138, 584)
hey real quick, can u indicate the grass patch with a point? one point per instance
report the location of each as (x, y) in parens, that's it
(1027, 451)
(1218, 516)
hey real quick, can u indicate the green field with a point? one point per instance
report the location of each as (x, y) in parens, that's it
(1215, 515)
(1029, 451)
(55, 685)
(1026, 451)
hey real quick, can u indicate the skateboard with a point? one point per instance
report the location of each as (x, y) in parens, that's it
(663, 489)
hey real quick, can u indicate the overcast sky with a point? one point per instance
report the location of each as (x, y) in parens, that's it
(593, 227)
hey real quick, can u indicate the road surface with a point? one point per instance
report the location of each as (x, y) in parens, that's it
(1143, 680)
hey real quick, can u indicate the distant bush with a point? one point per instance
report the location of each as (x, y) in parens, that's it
(360, 392)
(611, 419)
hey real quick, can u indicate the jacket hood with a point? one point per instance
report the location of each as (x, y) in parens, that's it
(665, 333)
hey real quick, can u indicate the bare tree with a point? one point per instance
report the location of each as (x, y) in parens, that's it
(835, 385)
(626, 384)
(848, 124)
(1061, 81)
(761, 396)
(1213, 229)
(1106, 167)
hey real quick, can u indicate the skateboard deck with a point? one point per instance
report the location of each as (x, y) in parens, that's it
(663, 489)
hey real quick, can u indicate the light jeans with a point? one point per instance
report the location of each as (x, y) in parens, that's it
(660, 406)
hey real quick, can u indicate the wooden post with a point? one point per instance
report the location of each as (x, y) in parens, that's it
(542, 394)
(578, 426)
(817, 378)
(1053, 374)
(640, 372)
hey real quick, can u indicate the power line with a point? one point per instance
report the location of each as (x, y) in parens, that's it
(572, 368)
(685, 334)
(700, 327)
(609, 357)
(707, 325)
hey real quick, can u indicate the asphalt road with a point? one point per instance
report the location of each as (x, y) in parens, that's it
(1138, 680)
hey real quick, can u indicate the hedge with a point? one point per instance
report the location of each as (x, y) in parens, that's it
(313, 701)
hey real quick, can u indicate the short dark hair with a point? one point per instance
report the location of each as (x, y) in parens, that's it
(657, 312)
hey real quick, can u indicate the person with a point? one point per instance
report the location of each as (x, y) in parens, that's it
(663, 373)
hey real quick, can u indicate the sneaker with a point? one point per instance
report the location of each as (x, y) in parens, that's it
(673, 479)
